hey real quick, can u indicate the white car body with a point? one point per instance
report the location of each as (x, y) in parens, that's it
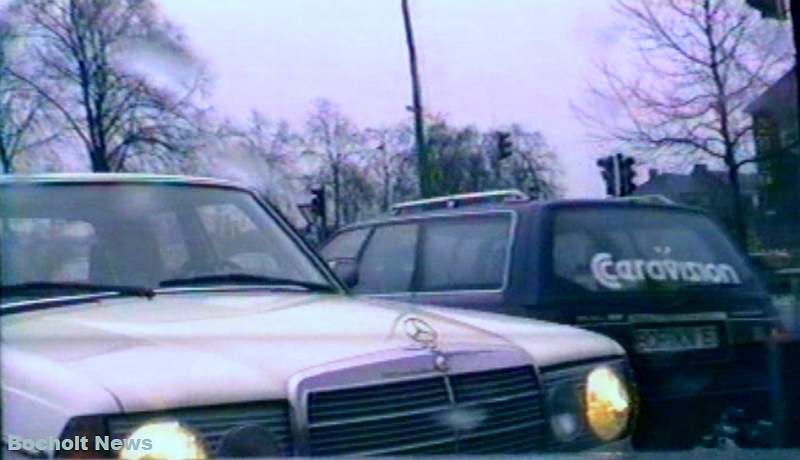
(207, 347)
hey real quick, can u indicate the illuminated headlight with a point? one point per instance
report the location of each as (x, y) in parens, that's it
(564, 404)
(168, 440)
(608, 404)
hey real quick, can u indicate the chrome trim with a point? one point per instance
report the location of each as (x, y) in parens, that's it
(391, 366)
(105, 178)
(227, 288)
(164, 291)
(507, 194)
(71, 298)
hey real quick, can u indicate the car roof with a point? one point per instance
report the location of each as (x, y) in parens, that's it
(519, 206)
(108, 178)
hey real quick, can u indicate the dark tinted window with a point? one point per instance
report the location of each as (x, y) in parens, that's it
(604, 249)
(345, 245)
(464, 253)
(387, 264)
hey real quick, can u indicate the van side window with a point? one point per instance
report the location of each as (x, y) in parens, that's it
(387, 265)
(467, 253)
(346, 245)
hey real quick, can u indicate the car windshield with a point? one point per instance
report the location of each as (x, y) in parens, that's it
(59, 239)
(614, 249)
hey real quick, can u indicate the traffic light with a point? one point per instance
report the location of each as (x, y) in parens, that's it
(609, 173)
(319, 210)
(318, 202)
(626, 175)
(618, 173)
(504, 145)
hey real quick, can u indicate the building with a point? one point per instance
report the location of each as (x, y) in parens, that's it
(703, 188)
(775, 118)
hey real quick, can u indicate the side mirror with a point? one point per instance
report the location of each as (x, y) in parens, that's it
(346, 270)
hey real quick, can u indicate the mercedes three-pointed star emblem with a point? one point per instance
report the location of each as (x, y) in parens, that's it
(420, 331)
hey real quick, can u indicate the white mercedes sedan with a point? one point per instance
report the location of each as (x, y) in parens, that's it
(169, 317)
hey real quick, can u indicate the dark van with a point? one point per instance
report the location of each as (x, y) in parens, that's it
(663, 280)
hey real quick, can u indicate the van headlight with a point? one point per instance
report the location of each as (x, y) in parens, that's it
(163, 440)
(608, 403)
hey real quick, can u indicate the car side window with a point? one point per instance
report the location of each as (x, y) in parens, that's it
(467, 253)
(345, 245)
(387, 265)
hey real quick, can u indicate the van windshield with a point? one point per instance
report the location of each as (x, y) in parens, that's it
(642, 249)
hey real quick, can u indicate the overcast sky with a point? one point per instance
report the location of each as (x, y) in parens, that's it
(483, 62)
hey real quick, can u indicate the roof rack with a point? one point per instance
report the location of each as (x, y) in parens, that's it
(464, 199)
(648, 199)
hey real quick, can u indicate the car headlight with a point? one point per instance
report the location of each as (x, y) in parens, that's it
(608, 403)
(168, 440)
(565, 409)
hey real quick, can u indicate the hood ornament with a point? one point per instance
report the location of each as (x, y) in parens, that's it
(425, 335)
(420, 332)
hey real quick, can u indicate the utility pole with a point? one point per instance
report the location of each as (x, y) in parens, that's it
(423, 168)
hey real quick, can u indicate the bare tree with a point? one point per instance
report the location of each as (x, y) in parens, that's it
(700, 63)
(467, 160)
(458, 160)
(81, 60)
(533, 166)
(390, 162)
(23, 125)
(274, 143)
(334, 142)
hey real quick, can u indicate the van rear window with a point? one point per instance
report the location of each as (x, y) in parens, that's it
(617, 249)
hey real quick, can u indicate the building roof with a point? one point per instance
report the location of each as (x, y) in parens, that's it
(781, 96)
(700, 180)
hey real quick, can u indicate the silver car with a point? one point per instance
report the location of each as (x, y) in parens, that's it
(173, 317)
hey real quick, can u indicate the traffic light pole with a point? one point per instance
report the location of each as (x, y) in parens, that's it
(419, 128)
(617, 174)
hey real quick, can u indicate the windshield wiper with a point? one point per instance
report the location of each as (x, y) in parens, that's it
(26, 289)
(245, 279)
